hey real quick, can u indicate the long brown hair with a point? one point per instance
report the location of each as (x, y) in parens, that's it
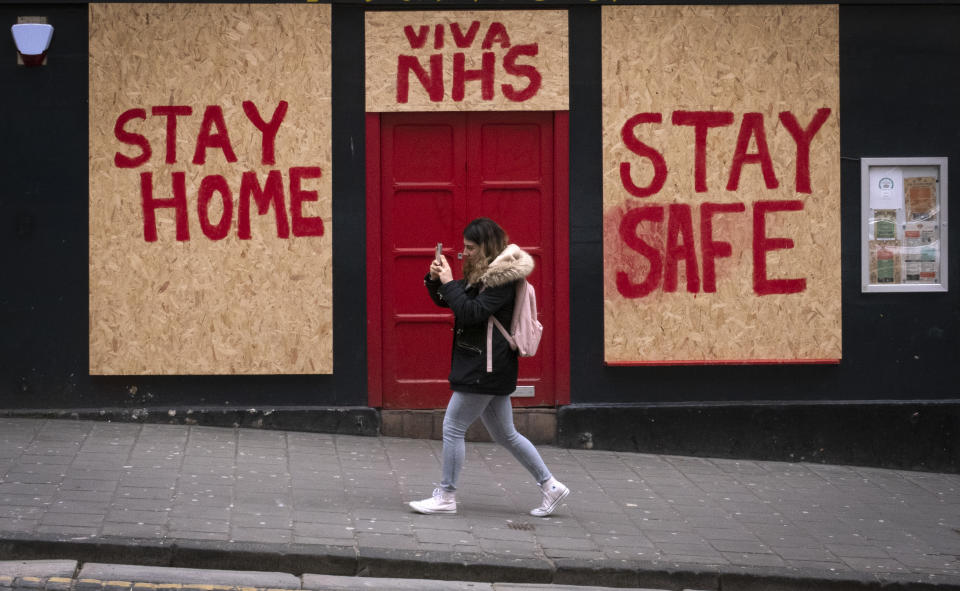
(490, 237)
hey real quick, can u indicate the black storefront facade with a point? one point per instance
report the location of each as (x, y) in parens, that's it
(892, 400)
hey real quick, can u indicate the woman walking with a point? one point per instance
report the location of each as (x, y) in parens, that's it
(491, 267)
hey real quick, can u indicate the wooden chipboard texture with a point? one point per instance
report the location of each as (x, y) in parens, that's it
(739, 59)
(228, 305)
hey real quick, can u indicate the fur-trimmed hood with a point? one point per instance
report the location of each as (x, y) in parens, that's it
(510, 265)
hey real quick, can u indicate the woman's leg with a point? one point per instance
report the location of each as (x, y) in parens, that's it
(462, 411)
(497, 417)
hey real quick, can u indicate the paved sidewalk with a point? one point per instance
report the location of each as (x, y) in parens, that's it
(332, 504)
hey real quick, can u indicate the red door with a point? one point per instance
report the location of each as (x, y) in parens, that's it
(437, 171)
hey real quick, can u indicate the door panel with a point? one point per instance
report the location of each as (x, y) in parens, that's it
(439, 171)
(510, 179)
(509, 152)
(424, 152)
(431, 211)
(423, 197)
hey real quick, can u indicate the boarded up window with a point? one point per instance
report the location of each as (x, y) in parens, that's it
(721, 184)
(210, 200)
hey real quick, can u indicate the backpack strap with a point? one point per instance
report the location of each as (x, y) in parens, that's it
(513, 345)
(506, 334)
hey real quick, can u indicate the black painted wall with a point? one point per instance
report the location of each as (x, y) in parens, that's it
(43, 238)
(898, 98)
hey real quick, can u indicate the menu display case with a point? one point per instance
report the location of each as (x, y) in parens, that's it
(903, 224)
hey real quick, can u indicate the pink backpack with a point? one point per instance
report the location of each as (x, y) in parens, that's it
(525, 329)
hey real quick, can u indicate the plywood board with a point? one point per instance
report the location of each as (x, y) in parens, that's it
(503, 60)
(721, 189)
(203, 117)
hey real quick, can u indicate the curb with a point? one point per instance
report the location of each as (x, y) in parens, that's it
(450, 566)
(65, 584)
(43, 583)
(310, 582)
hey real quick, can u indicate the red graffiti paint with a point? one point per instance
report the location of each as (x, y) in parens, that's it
(803, 137)
(303, 225)
(210, 185)
(630, 140)
(665, 238)
(217, 192)
(469, 72)
(752, 127)
(150, 204)
(668, 247)
(701, 121)
(484, 74)
(711, 248)
(762, 244)
(432, 82)
(171, 112)
(213, 132)
(268, 129)
(268, 196)
(628, 230)
(510, 66)
(680, 248)
(752, 132)
(133, 139)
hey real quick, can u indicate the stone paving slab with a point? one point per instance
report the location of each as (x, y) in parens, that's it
(38, 568)
(205, 497)
(147, 574)
(50, 575)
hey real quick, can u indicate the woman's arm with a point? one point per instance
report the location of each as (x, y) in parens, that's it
(475, 310)
(433, 288)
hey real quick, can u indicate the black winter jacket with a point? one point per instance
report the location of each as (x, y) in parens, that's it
(471, 307)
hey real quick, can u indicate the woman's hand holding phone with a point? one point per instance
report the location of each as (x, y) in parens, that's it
(445, 273)
(439, 267)
(439, 264)
(441, 270)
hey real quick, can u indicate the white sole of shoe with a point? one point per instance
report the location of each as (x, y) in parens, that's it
(415, 505)
(538, 512)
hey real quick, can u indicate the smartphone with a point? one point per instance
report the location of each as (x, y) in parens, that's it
(439, 253)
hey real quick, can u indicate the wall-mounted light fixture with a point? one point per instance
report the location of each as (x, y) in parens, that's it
(33, 40)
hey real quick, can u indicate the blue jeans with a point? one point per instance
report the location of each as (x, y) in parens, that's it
(497, 416)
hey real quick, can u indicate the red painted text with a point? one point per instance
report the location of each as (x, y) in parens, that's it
(434, 72)
(677, 248)
(212, 140)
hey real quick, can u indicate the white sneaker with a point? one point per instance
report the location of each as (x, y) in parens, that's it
(442, 501)
(553, 493)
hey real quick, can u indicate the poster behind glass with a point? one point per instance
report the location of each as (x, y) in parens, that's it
(904, 217)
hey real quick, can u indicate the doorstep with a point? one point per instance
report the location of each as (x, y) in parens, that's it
(539, 425)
